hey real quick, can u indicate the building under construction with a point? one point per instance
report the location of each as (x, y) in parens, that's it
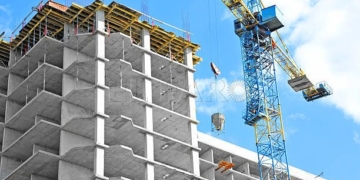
(94, 93)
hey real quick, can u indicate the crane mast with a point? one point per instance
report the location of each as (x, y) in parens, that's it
(263, 110)
(254, 24)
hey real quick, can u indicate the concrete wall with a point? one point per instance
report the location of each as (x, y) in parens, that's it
(68, 32)
(15, 55)
(69, 140)
(68, 171)
(11, 109)
(8, 165)
(3, 91)
(70, 83)
(70, 56)
(14, 82)
(70, 111)
(10, 136)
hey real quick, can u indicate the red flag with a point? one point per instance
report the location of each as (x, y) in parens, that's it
(45, 30)
(76, 29)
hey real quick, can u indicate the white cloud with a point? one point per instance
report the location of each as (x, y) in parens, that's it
(215, 96)
(356, 137)
(325, 39)
(227, 15)
(298, 116)
(289, 131)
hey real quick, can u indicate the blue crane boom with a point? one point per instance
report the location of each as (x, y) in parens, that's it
(254, 24)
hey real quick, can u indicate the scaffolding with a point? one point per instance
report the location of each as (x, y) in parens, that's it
(51, 18)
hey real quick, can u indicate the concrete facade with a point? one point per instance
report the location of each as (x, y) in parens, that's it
(97, 106)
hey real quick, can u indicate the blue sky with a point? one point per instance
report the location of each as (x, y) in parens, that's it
(322, 136)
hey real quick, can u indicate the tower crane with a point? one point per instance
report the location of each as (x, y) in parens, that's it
(255, 25)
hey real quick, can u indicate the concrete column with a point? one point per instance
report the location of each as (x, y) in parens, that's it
(244, 168)
(231, 175)
(100, 117)
(149, 123)
(15, 55)
(188, 60)
(68, 32)
(208, 155)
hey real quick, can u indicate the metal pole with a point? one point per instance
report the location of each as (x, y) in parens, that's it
(44, 78)
(39, 31)
(45, 51)
(27, 90)
(21, 51)
(28, 67)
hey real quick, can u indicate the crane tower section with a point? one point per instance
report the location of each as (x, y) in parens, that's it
(263, 110)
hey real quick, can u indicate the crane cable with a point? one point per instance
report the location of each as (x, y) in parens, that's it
(215, 69)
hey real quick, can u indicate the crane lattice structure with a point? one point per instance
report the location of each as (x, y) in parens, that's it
(254, 24)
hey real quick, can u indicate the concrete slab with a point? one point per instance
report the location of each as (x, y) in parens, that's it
(83, 97)
(83, 69)
(117, 131)
(117, 42)
(220, 154)
(45, 104)
(120, 161)
(84, 43)
(121, 73)
(169, 70)
(42, 163)
(53, 83)
(44, 133)
(205, 165)
(121, 130)
(162, 170)
(132, 79)
(120, 101)
(119, 46)
(54, 56)
(166, 122)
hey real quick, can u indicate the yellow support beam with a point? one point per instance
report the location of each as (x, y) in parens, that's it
(33, 28)
(91, 14)
(128, 25)
(110, 11)
(166, 43)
